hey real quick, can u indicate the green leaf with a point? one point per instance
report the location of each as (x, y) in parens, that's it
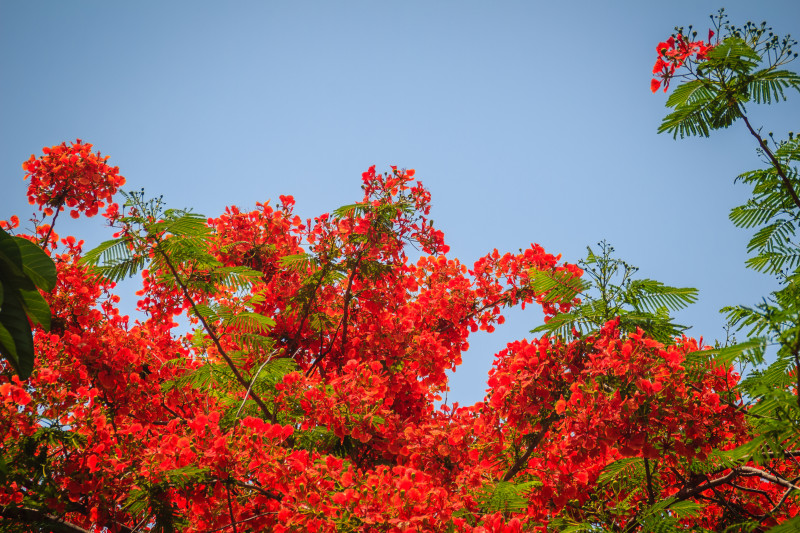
(10, 255)
(251, 322)
(693, 117)
(8, 346)
(16, 338)
(114, 259)
(36, 308)
(743, 351)
(36, 264)
(650, 295)
(298, 262)
(23, 268)
(506, 496)
(115, 250)
(205, 312)
(351, 210)
(685, 93)
(767, 86)
(750, 215)
(628, 466)
(187, 224)
(557, 286)
(735, 54)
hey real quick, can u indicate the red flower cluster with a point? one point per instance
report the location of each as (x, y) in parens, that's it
(673, 53)
(71, 176)
(125, 424)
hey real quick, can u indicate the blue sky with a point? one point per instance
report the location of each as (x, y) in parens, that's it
(528, 121)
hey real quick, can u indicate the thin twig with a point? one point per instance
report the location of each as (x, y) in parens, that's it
(242, 521)
(252, 382)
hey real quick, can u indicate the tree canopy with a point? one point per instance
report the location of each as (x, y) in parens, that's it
(308, 394)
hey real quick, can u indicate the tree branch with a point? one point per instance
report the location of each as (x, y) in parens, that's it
(345, 316)
(30, 516)
(773, 159)
(650, 497)
(691, 491)
(520, 463)
(211, 332)
(746, 471)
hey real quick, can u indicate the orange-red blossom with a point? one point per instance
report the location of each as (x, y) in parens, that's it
(673, 53)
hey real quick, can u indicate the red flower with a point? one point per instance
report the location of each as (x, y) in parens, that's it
(71, 176)
(673, 53)
(654, 85)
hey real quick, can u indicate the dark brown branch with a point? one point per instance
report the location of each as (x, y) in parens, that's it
(650, 497)
(230, 507)
(692, 491)
(347, 296)
(345, 316)
(781, 501)
(261, 490)
(29, 516)
(323, 354)
(520, 463)
(46, 240)
(745, 471)
(795, 351)
(774, 161)
(306, 311)
(754, 491)
(214, 337)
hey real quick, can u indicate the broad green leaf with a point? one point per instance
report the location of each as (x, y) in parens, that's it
(36, 308)
(10, 255)
(16, 339)
(7, 346)
(36, 264)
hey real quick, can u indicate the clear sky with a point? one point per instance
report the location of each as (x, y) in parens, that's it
(529, 122)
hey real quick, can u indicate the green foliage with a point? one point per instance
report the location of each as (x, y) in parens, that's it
(772, 209)
(612, 292)
(219, 380)
(168, 242)
(628, 467)
(746, 66)
(175, 246)
(149, 500)
(24, 269)
(665, 515)
(743, 67)
(506, 496)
